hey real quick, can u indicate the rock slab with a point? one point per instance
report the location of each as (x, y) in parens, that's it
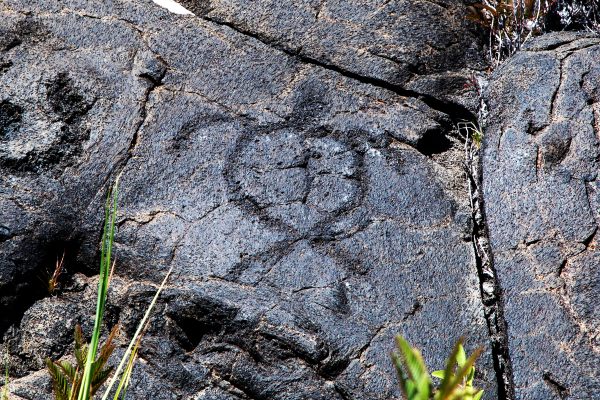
(312, 205)
(540, 187)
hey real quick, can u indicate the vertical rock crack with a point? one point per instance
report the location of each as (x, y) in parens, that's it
(490, 290)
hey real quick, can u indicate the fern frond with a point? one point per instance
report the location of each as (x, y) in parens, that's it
(100, 378)
(68, 370)
(60, 382)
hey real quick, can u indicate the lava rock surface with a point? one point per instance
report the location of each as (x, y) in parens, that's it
(296, 163)
(540, 188)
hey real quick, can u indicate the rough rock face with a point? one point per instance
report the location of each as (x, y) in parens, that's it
(307, 188)
(540, 181)
(415, 44)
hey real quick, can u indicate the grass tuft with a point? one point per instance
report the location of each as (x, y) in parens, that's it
(108, 235)
(83, 380)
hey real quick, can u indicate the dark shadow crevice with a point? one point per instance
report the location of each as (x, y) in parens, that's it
(33, 284)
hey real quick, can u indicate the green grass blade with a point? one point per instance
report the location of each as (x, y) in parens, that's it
(137, 334)
(108, 235)
(457, 380)
(126, 377)
(449, 371)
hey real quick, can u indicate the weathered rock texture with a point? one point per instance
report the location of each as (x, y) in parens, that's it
(540, 171)
(296, 164)
(413, 44)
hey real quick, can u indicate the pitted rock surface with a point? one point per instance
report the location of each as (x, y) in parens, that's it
(540, 170)
(311, 209)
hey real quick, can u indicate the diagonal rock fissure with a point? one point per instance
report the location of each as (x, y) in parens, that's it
(561, 390)
(490, 290)
(456, 112)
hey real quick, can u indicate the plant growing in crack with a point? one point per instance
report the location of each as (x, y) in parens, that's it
(471, 132)
(456, 379)
(83, 380)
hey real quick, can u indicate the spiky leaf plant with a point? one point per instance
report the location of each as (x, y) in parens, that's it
(457, 378)
(67, 378)
(415, 383)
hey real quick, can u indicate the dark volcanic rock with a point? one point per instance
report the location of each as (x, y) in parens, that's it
(540, 170)
(398, 42)
(310, 214)
(423, 46)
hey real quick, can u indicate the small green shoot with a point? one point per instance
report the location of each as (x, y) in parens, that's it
(108, 235)
(456, 379)
(471, 131)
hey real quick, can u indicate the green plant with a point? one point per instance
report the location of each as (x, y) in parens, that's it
(108, 235)
(67, 379)
(81, 382)
(456, 379)
(413, 377)
(471, 131)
